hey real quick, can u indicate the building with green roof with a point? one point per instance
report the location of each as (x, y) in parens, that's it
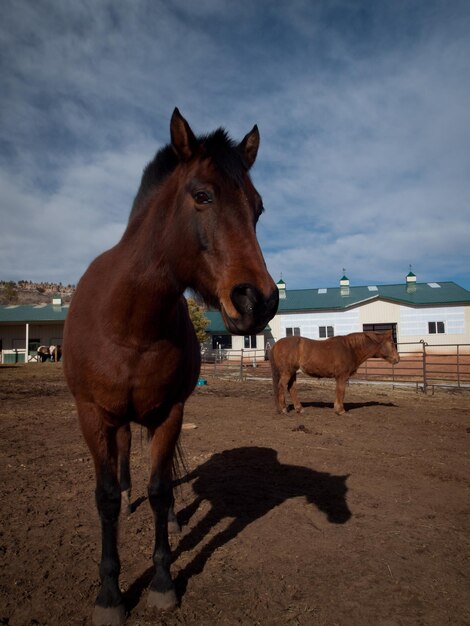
(33, 325)
(436, 313)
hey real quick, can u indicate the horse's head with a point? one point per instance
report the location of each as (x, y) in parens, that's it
(216, 249)
(386, 348)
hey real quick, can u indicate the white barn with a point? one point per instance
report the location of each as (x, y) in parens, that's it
(436, 313)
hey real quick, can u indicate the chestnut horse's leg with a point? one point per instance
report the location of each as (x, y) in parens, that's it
(292, 386)
(162, 593)
(284, 380)
(340, 390)
(124, 440)
(101, 439)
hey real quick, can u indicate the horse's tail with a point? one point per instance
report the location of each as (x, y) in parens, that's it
(275, 375)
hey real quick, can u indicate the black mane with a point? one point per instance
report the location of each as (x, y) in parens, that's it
(217, 146)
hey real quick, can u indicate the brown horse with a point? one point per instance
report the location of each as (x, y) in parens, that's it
(192, 225)
(338, 357)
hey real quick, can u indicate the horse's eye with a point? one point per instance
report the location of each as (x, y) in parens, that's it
(202, 197)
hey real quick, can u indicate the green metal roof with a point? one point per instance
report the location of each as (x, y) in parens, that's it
(50, 313)
(23, 313)
(416, 295)
(217, 326)
(331, 298)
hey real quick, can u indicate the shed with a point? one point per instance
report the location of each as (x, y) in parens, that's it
(30, 325)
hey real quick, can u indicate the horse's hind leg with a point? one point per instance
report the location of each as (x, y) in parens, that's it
(292, 386)
(124, 440)
(340, 391)
(284, 380)
(162, 594)
(101, 439)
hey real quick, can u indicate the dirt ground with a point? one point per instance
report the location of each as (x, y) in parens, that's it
(300, 519)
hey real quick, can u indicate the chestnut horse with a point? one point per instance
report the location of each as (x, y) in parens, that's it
(337, 357)
(192, 225)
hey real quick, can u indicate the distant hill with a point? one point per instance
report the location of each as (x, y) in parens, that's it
(27, 292)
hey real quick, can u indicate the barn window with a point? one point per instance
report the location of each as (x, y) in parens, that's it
(222, 341)
(33, 344)
(326, 331)
(436, 327)
(250, 341)
(293, 331)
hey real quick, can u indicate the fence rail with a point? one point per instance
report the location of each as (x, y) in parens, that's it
(420, 364)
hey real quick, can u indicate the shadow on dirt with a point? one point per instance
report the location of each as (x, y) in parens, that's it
(243, 485)
(349, 406)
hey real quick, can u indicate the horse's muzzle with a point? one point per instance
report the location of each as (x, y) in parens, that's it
(254, 308)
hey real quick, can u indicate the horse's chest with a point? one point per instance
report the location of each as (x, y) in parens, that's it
(145, 382)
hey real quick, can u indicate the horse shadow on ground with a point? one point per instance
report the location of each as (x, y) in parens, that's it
(243, 485)
(349, 406)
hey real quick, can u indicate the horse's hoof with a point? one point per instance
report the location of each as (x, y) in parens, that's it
(109, 616)
(164, 601)
(300, 410)
(285, 411)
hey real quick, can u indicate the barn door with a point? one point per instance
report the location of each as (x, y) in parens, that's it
(380, 328)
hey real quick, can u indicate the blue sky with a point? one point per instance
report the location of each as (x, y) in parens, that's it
(363, 109)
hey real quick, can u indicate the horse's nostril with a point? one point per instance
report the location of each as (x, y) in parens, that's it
(245, 298)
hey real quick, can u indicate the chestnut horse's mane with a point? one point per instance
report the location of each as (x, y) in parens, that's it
(217, 146)
(360, 339)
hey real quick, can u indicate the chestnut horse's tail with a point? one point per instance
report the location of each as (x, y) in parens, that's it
(276, 376)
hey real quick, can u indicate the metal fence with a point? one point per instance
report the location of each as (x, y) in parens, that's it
(421, 365)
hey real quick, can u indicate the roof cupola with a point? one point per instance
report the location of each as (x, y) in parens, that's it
(281, 285)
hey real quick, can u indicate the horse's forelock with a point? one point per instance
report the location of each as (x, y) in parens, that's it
(216, 146)
(224, 154)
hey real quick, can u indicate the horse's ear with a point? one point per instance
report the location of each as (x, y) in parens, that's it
(249, 146)
(183, 141)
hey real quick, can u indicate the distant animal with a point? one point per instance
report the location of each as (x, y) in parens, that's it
(43, 353)
(52, 353)
(56, 352)
(192, 225)
(337, 357)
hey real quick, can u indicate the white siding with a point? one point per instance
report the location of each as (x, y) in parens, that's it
(380, 312)
(414, 322)
(343, 322)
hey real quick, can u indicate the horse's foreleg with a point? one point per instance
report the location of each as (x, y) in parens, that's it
(339, 400)
(162, 594)
(292, 386)
(124, 440)
(101, 439)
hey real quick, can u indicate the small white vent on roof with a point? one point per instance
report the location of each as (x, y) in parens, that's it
(39, 306)
(434, 285)
(12, 306)
(322, 290)
(372, 288)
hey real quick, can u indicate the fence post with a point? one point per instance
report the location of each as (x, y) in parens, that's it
(425, 382)
(458, 366)
(241, 365)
